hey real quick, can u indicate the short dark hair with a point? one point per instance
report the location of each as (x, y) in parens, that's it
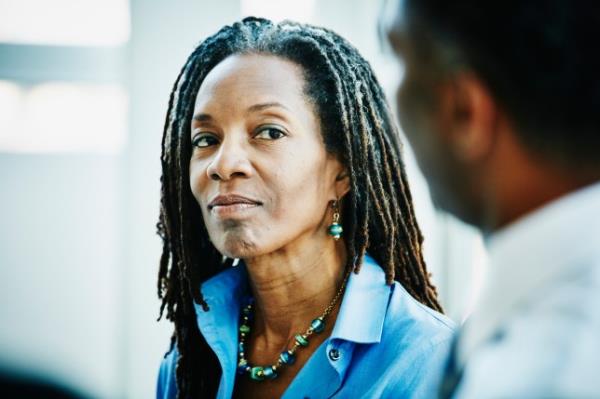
(356, 125)
(539, 60)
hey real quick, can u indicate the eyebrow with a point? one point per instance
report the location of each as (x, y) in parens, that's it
(263, 106)
(253, 108)
(202, 117)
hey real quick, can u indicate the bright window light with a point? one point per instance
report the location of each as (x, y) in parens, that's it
(278, 10)
(62, 117)
(65, 22)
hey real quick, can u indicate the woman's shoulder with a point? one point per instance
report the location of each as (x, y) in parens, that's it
(408, 317)
(408, 328)
(419, 339)
(408, 358)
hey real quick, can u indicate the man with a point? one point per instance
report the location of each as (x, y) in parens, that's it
(501, 103)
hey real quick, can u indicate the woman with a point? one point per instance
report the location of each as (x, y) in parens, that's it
(279, 150)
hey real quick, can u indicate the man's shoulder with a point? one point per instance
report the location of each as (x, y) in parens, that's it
(574, 298)
(547, 346)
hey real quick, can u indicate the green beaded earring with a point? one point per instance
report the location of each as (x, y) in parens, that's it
(335, 229)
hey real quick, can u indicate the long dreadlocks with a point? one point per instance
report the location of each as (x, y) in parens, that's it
(357, 126)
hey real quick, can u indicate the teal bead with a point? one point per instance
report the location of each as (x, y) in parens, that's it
(244, 329)
(287, 357)
(335, 230)
(269, 373)
(257, 373)
(301, 340)
(317, 325)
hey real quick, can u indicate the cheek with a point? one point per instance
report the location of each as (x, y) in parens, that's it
(416, 110)
(409, 112)
(412, 102)
(412, 123)
(297, 184)
(198, 182)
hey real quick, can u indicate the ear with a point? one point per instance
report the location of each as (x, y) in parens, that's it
(338, 177)
(470, 115)
(342, 183)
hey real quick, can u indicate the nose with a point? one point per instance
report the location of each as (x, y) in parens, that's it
(230, 161)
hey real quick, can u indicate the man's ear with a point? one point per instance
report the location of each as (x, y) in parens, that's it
(471, 115)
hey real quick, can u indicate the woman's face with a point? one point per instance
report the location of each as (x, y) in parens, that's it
(259, 169)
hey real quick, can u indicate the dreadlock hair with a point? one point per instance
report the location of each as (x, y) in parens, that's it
(357, 126)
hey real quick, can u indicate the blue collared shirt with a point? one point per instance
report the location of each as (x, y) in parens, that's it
(384, 343)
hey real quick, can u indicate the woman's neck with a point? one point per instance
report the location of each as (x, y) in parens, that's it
(292, 286)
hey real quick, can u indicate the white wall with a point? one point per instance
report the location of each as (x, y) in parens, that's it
(59, 282)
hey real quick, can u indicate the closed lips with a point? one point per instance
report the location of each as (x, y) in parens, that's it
(228, 200)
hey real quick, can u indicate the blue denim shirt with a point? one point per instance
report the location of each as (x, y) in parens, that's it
(384, 343)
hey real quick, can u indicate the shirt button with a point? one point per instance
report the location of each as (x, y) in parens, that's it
(334, 354)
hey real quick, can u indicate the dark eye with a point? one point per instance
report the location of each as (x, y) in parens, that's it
(269, 133)
(204, 140)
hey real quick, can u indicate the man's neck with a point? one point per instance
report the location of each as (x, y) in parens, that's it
(530, 192)
(523, 185)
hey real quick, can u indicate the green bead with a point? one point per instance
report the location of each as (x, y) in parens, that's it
(257, 373)
(301, 340)
(317, 325)
(335, 230)
(244, 329)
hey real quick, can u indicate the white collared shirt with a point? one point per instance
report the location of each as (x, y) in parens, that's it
(536, 331)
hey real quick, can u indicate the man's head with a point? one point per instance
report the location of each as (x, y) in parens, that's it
(500, 101)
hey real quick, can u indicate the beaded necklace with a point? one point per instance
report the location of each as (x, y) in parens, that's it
(287, 357)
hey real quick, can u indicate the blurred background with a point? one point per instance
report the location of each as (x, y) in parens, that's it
(84, 86)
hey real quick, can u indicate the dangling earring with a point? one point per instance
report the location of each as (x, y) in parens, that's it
(335, 229)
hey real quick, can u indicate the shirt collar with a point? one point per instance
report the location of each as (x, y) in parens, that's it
(223, 294)
(364, 305)
(531, 254)
(228, 287)
(362, 311)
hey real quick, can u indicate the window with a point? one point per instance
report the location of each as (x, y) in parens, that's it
(62, 117)
(60, 75)
(65, 22)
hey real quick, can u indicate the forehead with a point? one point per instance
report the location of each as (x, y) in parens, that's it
(251, 77)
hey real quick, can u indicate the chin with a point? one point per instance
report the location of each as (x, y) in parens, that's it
(235, 245)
